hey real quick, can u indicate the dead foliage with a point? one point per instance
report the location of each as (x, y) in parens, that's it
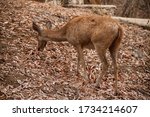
(51, 74)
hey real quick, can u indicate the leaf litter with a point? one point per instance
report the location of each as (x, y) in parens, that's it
(51, 74)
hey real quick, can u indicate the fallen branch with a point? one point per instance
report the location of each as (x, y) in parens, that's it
(91, 6)
(140, 22)
(97, 9)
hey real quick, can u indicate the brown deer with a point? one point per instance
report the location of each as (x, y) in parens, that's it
(93, 32)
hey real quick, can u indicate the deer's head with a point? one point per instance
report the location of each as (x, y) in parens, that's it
(41, 43)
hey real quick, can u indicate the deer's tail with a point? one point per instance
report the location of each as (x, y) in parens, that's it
(36, 28)
(116, 43)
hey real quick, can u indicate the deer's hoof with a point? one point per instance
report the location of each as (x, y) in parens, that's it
(85, 82)
(97, 86)
(116, 93)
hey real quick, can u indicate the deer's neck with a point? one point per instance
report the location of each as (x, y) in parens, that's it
(57, 36)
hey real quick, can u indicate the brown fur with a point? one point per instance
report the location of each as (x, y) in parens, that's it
(94, 32)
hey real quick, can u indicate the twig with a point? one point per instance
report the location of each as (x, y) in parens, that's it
(146, 54)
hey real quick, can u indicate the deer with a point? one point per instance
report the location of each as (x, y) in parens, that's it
(100, 33)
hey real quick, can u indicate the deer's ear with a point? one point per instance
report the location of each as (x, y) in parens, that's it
(48, 24)
(36, 28)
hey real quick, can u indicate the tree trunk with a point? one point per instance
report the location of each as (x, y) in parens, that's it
(128, 8)
(74, 1)
(64, 2)
(147, 3)
(92, 1)
(55, 2)
(133, 7)
(106, 2)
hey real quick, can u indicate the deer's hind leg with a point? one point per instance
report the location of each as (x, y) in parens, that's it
(101, 51)
(113, 53)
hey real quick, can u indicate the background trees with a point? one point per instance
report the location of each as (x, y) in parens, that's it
(133, 8)
(126, 8)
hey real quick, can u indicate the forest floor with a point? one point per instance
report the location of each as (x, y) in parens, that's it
(51, 74)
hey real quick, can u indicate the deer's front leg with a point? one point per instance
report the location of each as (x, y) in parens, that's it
(41, 45)
(81, 60)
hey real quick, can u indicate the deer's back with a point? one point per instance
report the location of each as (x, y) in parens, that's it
(82, 29)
